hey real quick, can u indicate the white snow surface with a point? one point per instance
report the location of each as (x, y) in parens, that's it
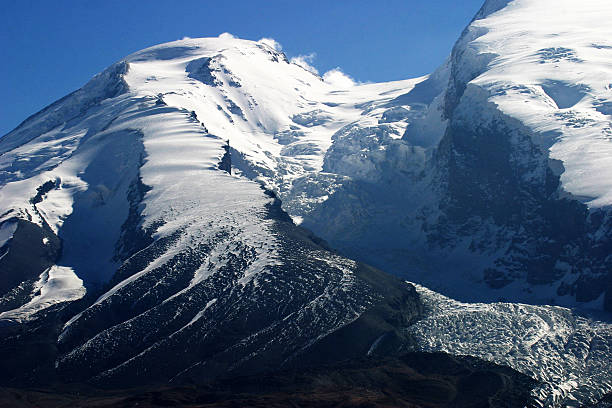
(548, 63)
(279, 115)
(190, 195)
(57, 284)
(568, 353)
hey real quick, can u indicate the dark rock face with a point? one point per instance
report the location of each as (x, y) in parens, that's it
(135, 341)
(314, 308)
(226, 161)
(211, 71)
(26, 256)
(410, 380)
(495, 178)
(42, 190)
(203, 71)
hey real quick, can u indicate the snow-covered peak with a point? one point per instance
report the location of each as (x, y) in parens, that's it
(489, 7)
(274, 112)
(547, 64)
(190, 48)
(162, 117)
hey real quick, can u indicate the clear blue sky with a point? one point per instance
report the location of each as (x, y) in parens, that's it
(52, 47)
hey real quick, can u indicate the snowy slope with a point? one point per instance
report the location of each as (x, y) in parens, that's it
(175, 107)
(550, 68)
(174, 253)
(522, 163)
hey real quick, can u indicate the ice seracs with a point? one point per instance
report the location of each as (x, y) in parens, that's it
(568, 353)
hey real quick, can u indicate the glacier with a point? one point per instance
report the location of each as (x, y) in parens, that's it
(568, 353)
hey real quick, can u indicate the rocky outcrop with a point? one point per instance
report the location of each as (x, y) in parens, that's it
(31, 251)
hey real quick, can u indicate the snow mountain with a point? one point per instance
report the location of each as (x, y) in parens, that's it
(149, 247)
(202, 208)
(524, 158)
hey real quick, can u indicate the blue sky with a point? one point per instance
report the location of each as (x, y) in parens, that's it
(51, 48)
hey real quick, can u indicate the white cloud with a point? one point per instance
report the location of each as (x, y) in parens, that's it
(305, 62)
(339, 79)
(272, 43)
(334, 77)
(226, 36)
